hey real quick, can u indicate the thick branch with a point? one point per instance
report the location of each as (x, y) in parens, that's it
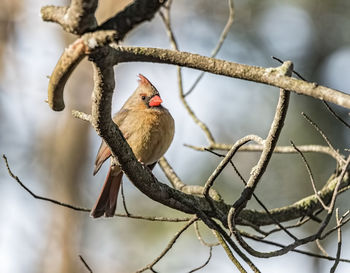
(78, 18)
(270, 76)
(118, 26)
(134, 14)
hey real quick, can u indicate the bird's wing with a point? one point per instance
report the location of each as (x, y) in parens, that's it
(120, 116)
(104, 152)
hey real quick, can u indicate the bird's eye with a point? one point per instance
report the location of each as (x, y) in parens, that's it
(143, 97)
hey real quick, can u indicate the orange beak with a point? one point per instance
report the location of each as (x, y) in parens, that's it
(155, 101)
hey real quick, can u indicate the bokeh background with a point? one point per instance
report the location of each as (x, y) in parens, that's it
(53, 153)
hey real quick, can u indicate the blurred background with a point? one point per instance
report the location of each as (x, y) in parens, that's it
(53, 153)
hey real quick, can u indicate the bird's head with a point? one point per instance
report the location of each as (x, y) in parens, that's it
(147, 93)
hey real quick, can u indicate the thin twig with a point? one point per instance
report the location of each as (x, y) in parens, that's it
(167, 22)
(335, 192)
(311, 176)
(325, 138)
(85, 264)
(320, 247)
(269, 145)
(342, 223)
(38, 196)
(81, 115)
(169, 246)
(179, 185)
(295, 72)
(304, 252)
(256, 198)
(200, 238)
(278, 149)
(77, 208)
(299, 242)
(336, 262)
(173, 178)
(205, 263)
(222, 38)
(298, 224)
(336, 115)
(324, 102)
(209, 183)
(123, 198)
(224, 238)
(228, 251)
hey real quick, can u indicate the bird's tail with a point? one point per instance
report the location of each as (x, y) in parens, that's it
(107, 201)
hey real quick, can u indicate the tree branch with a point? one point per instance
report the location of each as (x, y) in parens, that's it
(113, 30)
(278, 149)
(269, 76)
(78, 18)
(169, 246)
(269, 145)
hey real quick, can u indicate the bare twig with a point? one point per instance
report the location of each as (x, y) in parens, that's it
(205, 263)
(269, 145)
(295, 72)
(222, 38)
(81, 115)
(229, 252)
(325, 138)
(310, 175)
(336, 115)
(167, 22)
(304, 252)
(200, 238)
(85, 264)
(38, 196)
(343, 221)
(169, 246)
(336, 262)
(76, 208)
(278, 149)
(209, 183)
(299, 242)
(123, 198)
(335, 192)
(320, 247)
(257, 199)
(179, 185)
(324, 102)
(173, 178)
(225, 239)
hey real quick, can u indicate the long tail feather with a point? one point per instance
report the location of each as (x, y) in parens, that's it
(107, 201)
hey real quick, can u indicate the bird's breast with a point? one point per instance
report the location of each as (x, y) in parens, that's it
(149, 133)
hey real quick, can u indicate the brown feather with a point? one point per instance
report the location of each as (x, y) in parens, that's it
(106, 203)
(103, 154)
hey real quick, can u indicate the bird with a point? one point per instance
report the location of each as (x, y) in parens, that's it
(148, 127)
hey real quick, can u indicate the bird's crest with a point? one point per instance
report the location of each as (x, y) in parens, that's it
(143, 80)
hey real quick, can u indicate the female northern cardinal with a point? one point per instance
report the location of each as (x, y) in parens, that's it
(148, 127)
